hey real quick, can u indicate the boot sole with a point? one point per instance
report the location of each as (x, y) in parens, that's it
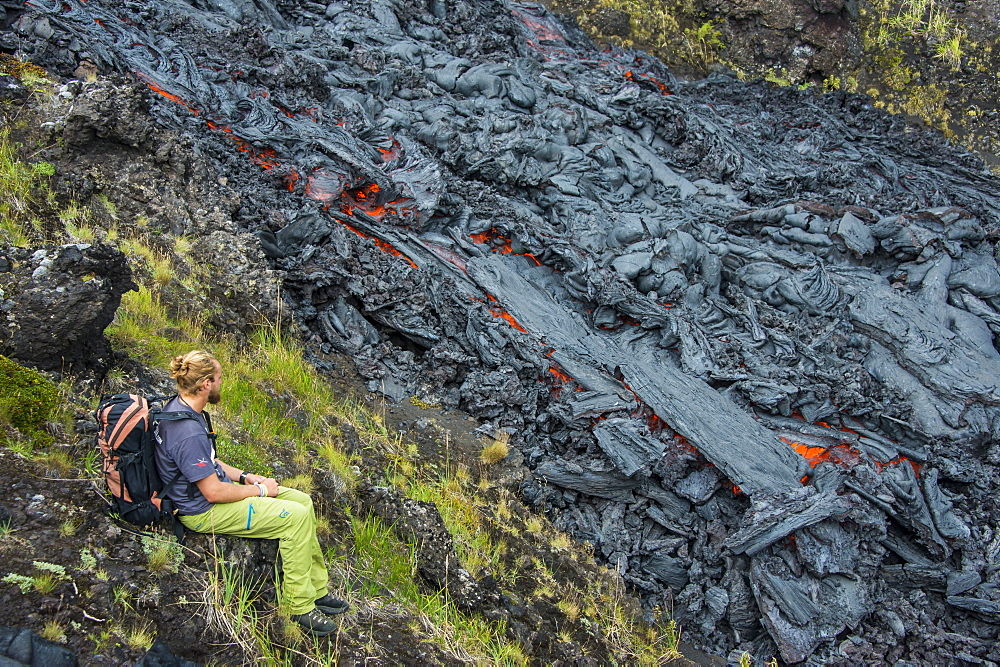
(332, 611)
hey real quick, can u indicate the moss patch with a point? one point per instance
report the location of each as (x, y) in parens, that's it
(27, 399)
(27, 72)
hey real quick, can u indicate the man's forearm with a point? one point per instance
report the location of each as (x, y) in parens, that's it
(217, 491)
(232, 473)
(231, 493)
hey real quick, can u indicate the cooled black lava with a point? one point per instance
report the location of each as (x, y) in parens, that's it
(744, 336)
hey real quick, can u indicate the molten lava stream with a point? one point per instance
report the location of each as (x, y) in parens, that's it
(559, 380)
(504, 315)
(562, 377)
(841, 454)
(382, 245)
(638, 77)
(501, 244)
(170, 96)
(542, 31)
(497, 311)
(880, 466)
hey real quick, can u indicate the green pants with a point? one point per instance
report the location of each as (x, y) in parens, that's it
(290, 519)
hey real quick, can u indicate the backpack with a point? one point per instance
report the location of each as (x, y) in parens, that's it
(125, 439)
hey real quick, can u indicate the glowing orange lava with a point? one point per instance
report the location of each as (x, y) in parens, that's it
(390, 153)
(387, 247)
(841, 454)
(362, 198)
(501, 244)
(170, 96)
(504, 315)
(541, 31)
(896, 461)
(559, 374)
(681, 442)
(639, 77)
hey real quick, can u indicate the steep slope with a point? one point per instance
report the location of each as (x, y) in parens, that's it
(743, 337)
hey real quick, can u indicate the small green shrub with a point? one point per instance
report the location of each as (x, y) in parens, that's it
(704, 41)
(88, 562)
(27, 399)
(19, 580)
(58, 570)
(47, 577)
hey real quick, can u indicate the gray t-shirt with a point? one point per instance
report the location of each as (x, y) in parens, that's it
(184, 455)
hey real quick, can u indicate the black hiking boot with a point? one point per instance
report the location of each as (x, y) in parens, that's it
(315, 622)
(331, 606)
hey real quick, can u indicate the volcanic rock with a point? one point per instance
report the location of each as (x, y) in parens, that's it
(56, 303)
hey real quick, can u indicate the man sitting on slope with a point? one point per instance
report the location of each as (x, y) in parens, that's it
(209, 499)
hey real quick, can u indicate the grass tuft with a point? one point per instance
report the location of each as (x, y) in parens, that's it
(140, 636)
(496, 451)
(45, 582)
(24, 194)
(233, 606)
(950, 49)
(388, 563)
(53, 631)
(69, 527)
(162, 555)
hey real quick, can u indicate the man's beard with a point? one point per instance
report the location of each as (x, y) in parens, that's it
(214, 396)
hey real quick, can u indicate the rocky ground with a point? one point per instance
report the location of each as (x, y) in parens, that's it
(108, 601)
(105, 601)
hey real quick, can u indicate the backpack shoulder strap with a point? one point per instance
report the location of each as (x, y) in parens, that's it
(211, 429)
(158, 415)
(179, 415)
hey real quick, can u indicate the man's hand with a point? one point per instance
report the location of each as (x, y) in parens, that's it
(233, 474)
(216, 491)
(269, 482)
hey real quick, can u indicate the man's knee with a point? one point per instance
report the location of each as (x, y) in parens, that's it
(304, 499)
(295, 513)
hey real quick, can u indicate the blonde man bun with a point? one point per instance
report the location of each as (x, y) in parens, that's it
(189, 370)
